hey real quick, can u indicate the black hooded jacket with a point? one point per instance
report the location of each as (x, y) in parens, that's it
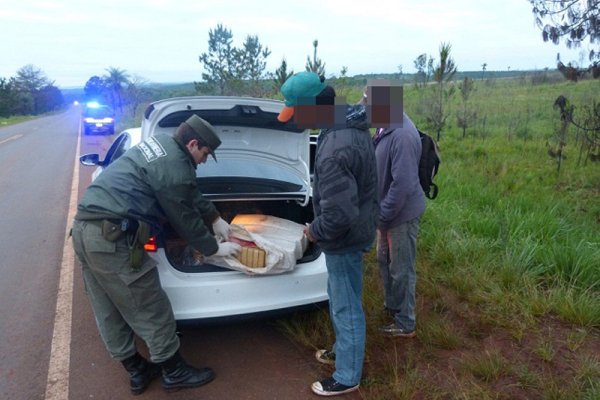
(345, 187)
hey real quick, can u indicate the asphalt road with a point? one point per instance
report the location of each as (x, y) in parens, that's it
(252, 360)
(36, 166)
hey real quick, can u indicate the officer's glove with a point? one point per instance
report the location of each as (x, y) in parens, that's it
(228, 249)
(221, 229)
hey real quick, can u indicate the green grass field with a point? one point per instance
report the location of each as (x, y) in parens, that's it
(508, 285)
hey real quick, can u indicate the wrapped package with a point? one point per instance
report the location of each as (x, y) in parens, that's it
(280, 231)
(251, 255)
(281, 241)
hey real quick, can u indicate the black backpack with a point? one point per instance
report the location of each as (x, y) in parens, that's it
(429, 165)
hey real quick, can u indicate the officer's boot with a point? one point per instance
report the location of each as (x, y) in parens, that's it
(141, 372)
(177, 374)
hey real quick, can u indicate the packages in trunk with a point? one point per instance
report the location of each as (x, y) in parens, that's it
(282, 241)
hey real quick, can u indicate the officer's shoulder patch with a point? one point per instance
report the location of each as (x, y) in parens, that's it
(152, 149)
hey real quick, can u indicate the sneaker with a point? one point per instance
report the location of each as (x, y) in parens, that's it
(325, 357)
(395, 331)
(331, 387)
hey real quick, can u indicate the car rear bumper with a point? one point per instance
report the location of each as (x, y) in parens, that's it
(231, 293)
(99, 127)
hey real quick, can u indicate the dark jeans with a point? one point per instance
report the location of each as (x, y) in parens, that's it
(396, 256)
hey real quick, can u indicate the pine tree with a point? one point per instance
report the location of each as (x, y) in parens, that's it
(316, 64)
(251, 62)
(220, 61)
(443, 73)
(281, 75)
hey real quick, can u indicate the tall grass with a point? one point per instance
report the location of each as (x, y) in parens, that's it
(508, 243)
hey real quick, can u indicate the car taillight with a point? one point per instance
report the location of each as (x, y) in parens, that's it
(151, 245)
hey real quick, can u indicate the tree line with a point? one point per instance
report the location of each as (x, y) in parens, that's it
(119, 89)
(231, 70)
(242, 70)
(228, 70)
(30, 92)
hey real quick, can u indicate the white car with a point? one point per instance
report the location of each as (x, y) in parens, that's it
(263, 168)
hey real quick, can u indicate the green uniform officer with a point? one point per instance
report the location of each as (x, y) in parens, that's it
(152, 183)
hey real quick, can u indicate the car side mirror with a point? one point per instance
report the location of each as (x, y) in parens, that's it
(90, 159)
(116, 150)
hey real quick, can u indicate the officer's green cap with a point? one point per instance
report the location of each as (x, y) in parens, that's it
(206, 132)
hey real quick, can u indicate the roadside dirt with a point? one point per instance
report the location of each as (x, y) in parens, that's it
(549, 360)
(252, 361)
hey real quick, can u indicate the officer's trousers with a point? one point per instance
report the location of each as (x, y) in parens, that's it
(125, 301)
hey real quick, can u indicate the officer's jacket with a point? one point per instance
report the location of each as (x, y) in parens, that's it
(155, 182)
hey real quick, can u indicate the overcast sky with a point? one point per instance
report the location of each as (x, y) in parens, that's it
(160, 40)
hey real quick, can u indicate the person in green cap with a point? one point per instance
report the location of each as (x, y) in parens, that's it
(346, 209)
(153, 183)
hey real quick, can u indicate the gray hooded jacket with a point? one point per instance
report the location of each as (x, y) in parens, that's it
(398, 152)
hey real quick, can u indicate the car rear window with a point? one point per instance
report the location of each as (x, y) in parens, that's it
(99, 112)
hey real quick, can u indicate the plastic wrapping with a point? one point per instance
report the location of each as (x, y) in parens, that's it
(282, 240)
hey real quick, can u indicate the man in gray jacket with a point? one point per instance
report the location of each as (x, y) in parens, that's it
(345, 206)
(402, 202)
(152, 183)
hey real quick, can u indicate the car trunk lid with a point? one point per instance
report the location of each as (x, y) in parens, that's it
(259, 157)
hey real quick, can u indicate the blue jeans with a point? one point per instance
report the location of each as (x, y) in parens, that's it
(344, 287)
(396, 256)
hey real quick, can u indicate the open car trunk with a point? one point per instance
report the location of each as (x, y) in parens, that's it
(263, 169)
(184, 259)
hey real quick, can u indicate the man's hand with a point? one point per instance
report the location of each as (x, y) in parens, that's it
(221, 229)
(228, 249)
(307, 233)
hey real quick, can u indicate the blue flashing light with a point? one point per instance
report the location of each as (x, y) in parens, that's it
(93, 104)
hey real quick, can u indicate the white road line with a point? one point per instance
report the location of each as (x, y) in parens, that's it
(57, 385)
(10, 138)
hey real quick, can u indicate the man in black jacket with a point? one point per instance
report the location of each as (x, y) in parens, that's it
(346, 209)
(152, 183)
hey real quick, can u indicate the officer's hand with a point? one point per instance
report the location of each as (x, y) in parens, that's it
(221, 228)
(228, 249)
